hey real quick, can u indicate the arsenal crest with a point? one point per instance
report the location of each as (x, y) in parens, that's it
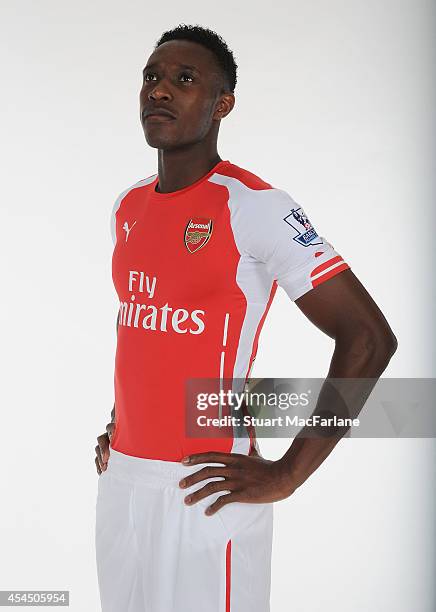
(197, 234)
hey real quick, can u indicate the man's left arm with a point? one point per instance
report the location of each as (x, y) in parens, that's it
(364, 344)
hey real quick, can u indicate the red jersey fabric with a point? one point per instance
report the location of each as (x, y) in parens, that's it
(195, 271)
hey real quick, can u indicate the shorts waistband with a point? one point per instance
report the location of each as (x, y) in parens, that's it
(138, 469)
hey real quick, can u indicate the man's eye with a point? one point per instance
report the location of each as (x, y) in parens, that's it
(146, 76)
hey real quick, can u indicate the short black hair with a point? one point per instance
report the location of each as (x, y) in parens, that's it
(212, 41)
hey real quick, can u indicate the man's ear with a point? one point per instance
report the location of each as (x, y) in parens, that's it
(224, 106)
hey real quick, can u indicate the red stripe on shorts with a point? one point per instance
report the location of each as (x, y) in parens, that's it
(228, 573)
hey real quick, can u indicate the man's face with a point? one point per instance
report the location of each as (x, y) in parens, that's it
(183, 78)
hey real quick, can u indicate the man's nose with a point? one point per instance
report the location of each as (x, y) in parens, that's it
(159, 93)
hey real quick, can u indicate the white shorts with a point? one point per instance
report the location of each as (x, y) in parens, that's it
(156, 554)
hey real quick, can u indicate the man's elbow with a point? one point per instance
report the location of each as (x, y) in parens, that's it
(368, 344)
(381, 342)
(393, 343)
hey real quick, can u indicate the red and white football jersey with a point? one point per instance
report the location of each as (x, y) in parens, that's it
(195, 271)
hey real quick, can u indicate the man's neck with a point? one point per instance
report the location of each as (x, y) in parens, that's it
(179, 169)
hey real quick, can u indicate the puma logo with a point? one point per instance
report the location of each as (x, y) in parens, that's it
(127, 228)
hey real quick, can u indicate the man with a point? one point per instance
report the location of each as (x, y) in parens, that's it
(200, 248)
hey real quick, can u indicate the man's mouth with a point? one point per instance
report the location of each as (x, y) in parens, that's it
(157, 115)
(158, 118)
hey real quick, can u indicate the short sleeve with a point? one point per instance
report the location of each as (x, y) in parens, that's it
(117, 204)
(113, 217)
(280, 234)
(113, 224)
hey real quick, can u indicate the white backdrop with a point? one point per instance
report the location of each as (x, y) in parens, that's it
(334, 104)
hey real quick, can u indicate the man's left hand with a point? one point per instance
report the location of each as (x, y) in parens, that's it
(250, 479)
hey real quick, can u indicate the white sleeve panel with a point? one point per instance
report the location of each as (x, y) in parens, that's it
(113, 219)
(117, 204)
(272, 228)
(294, 254)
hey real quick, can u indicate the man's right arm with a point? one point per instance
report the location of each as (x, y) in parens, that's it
(113, 409)
(102, 450)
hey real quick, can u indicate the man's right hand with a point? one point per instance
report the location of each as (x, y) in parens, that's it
(102, 450)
